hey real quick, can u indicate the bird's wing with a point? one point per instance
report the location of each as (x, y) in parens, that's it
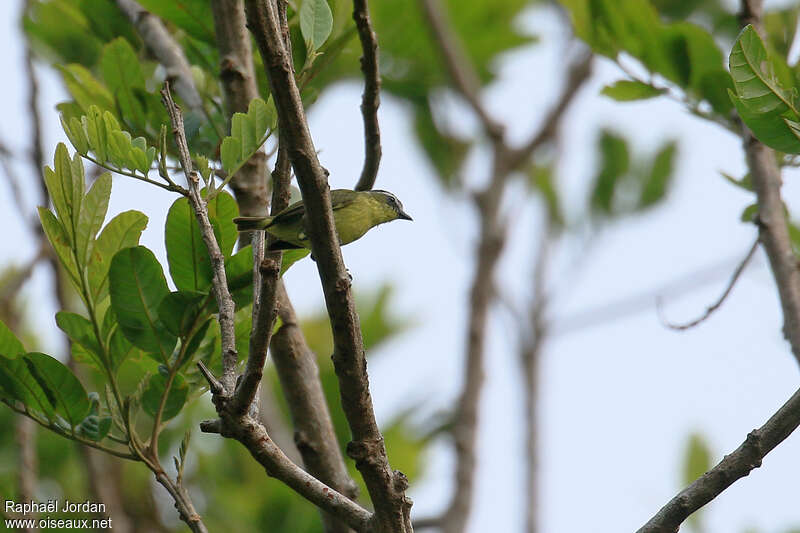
(339, 198)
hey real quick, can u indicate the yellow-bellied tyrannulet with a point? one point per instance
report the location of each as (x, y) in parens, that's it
(354, 213)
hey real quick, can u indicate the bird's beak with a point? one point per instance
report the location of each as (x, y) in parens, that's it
(403, 215)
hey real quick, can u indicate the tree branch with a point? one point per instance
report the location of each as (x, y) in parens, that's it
(239, 87)
(232, 422)
(492, 240)
(386, 487)
(277, 465)
(772, 222)
(371, 98)
(458, 64)
(716, 305)
(734, 466)
(164, 48)
(220, 283)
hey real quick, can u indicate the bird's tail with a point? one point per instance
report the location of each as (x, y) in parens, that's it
(251, 223)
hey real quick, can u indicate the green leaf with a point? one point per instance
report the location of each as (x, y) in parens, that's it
(58, 238)
(85, 88)
(192, 16)
(239, 273)
(10, 346)
(291, 257)
(122, 73)
(615, 163)
(222, 209)
(189, 263)
(123, 231)
(75, 133)
(746, 182)
(17, 383)
(541, 179)
(696, 461)
(62, 389)
(80, 331)
(316, 22)
(248, 133)
(94, 427)
(749, 213)
(137, 286)
(93, 213)
(760, 100)
(626, 91)
(65, 184)
(154, 391)
(657, 181)
(179, 311)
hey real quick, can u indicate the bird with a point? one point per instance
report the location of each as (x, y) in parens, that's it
(354, 213)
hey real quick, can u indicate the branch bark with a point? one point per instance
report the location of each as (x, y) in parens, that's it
(774, 236)
(773, 226)
(733, 466)
(371, 98)
(386, 487)
(491, 242)
(164, 48)
(232, 422)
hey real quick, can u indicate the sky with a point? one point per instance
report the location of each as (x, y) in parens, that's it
(619, 398)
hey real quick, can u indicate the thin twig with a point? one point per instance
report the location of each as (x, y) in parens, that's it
(371, 98)
(733, 466)
(385, 486)
(716, 305)
(458, 64)
(220, 285)
(241, 426)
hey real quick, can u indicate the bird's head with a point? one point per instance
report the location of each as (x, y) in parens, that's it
(387, 207)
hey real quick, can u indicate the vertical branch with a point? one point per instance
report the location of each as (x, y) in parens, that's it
(220, 285)
(773, 226)
(491, 242)
(385, 486)
(371, 98)
(164, 48)
(530, 355)
(25, 435)
(239, 87)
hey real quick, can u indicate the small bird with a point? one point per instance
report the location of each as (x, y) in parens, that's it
(354, 213)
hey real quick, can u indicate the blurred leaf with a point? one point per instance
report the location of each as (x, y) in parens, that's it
(761, 102)
(316, 22)
(154, 391)
(541, 179)
(749, 214)
(123, 76)
(137, 286)
(446, 152)
(615, 162)
(746, 182)
(627, 90)
(657, 181)
(10, 346)
(192, 16)
(85, 89)
(696, 462)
